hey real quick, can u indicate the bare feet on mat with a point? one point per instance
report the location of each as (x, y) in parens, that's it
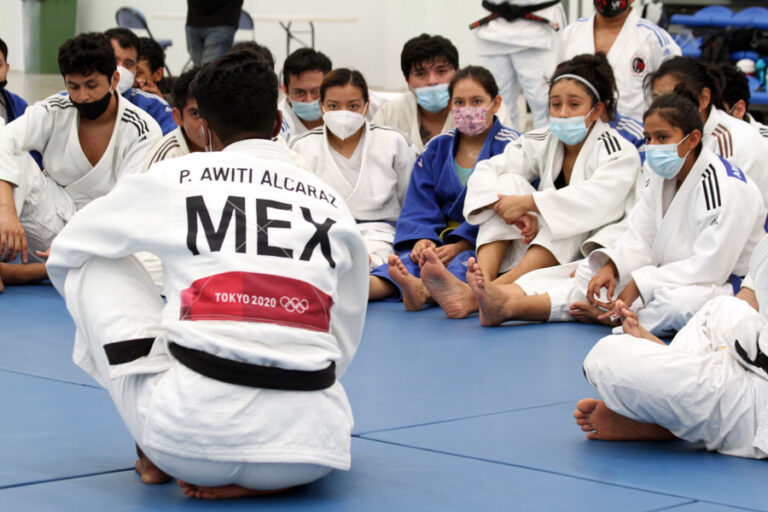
(489, 299)
(588, 314)
(149, 473)
(222, 492)
(599, 422)
(415, 295)
(454, 297)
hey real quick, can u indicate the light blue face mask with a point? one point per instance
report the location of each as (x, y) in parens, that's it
(432, 98)
(307, 111)
(570, 130)
(664, 160)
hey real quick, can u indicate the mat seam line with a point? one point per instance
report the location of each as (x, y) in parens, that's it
(63, 478)
(62, 381)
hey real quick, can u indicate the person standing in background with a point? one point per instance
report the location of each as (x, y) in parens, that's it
(211, 27)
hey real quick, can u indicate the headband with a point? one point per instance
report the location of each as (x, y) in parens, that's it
(582, 80)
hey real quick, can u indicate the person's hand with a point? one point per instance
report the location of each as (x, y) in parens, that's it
(511, 208)
(748, 296)
(13, 239)
(529, 227)
(149, 87)
(419, 247)
(603, 278)
(447, 252)
(44, 254)
(628, 295)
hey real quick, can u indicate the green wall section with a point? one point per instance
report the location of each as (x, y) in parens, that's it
(47, 24)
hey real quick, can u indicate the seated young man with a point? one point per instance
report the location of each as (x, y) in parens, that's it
(709, 385)
(428, 64)
(126, 46)
(11, 105)
(150, 68)
(264, 312)
(89, 140)
(303, 72)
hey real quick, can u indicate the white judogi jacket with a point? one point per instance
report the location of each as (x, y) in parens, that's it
(739, 143)
(502, 37)
(763, 129)
(601, 182)
(639, 49)
(707, 233)
(172, 145)
(376, 198)
(403, 113)
(50, 126)
(263, 264)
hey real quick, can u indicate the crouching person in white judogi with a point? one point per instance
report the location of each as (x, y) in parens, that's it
(710, 385)
(689, 236)
(266, 286)
(89, 140)
(369, 164)
(585, 172)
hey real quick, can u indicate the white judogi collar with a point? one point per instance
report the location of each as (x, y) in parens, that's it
(262, 148)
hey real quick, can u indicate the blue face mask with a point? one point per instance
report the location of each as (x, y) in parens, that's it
(433, 98)
(307, 111)
(570, 130)
(664, 160)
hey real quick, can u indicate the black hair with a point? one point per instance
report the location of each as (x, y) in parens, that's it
(426, 48)
(596, 70)
(305, 59)
(4, 49)
(480, 75)
(341, 77)
(86, 53)
(151, 50)
(734, 82)
(694, 74)
(181, 93)
(237, 96)
(124, 37)
(679, 109)
(258, 49)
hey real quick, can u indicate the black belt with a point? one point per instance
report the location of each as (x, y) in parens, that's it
(253, 375)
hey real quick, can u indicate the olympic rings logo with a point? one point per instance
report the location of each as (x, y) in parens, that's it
(294, 304)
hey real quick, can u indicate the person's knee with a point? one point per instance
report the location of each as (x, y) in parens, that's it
(607, 358)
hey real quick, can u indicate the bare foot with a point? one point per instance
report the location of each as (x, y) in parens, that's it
(454, 297)
(222, 492)
(149, 473)
(489, 299)
(588, 314)
(599, 422)
(415, 295)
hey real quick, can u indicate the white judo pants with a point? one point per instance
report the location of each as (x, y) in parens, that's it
(116, 300)
(527, 71)
(42, 205)
(665, 313)
(695, 388)
(495, 229)
(379, 237)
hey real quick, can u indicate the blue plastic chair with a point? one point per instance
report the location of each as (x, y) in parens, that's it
(711, 16)
(751, 17)
(246, 23)
(128, 17)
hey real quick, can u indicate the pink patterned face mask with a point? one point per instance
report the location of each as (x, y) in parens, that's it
(470, 120)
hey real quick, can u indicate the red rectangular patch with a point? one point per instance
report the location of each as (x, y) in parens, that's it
(250, 297)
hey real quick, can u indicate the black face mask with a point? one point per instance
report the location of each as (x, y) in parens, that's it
(94, 109)
(3, 84)
(611, 8)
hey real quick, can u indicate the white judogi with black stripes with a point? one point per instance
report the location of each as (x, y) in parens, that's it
(680, 247)
(739, 143)
(292, 124)
(172, 145)
(70, 181)
(263, 266)
(639, 49)
(761, 128)
(601, 182)
(375, 194)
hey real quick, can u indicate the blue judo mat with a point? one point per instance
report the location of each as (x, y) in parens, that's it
(449, 416)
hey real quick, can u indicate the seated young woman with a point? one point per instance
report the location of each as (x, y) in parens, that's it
(585, 171)
(695, 225)
(368, 164)
(431, 221)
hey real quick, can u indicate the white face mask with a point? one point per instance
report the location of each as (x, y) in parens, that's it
(343, 123)
(126, 80)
